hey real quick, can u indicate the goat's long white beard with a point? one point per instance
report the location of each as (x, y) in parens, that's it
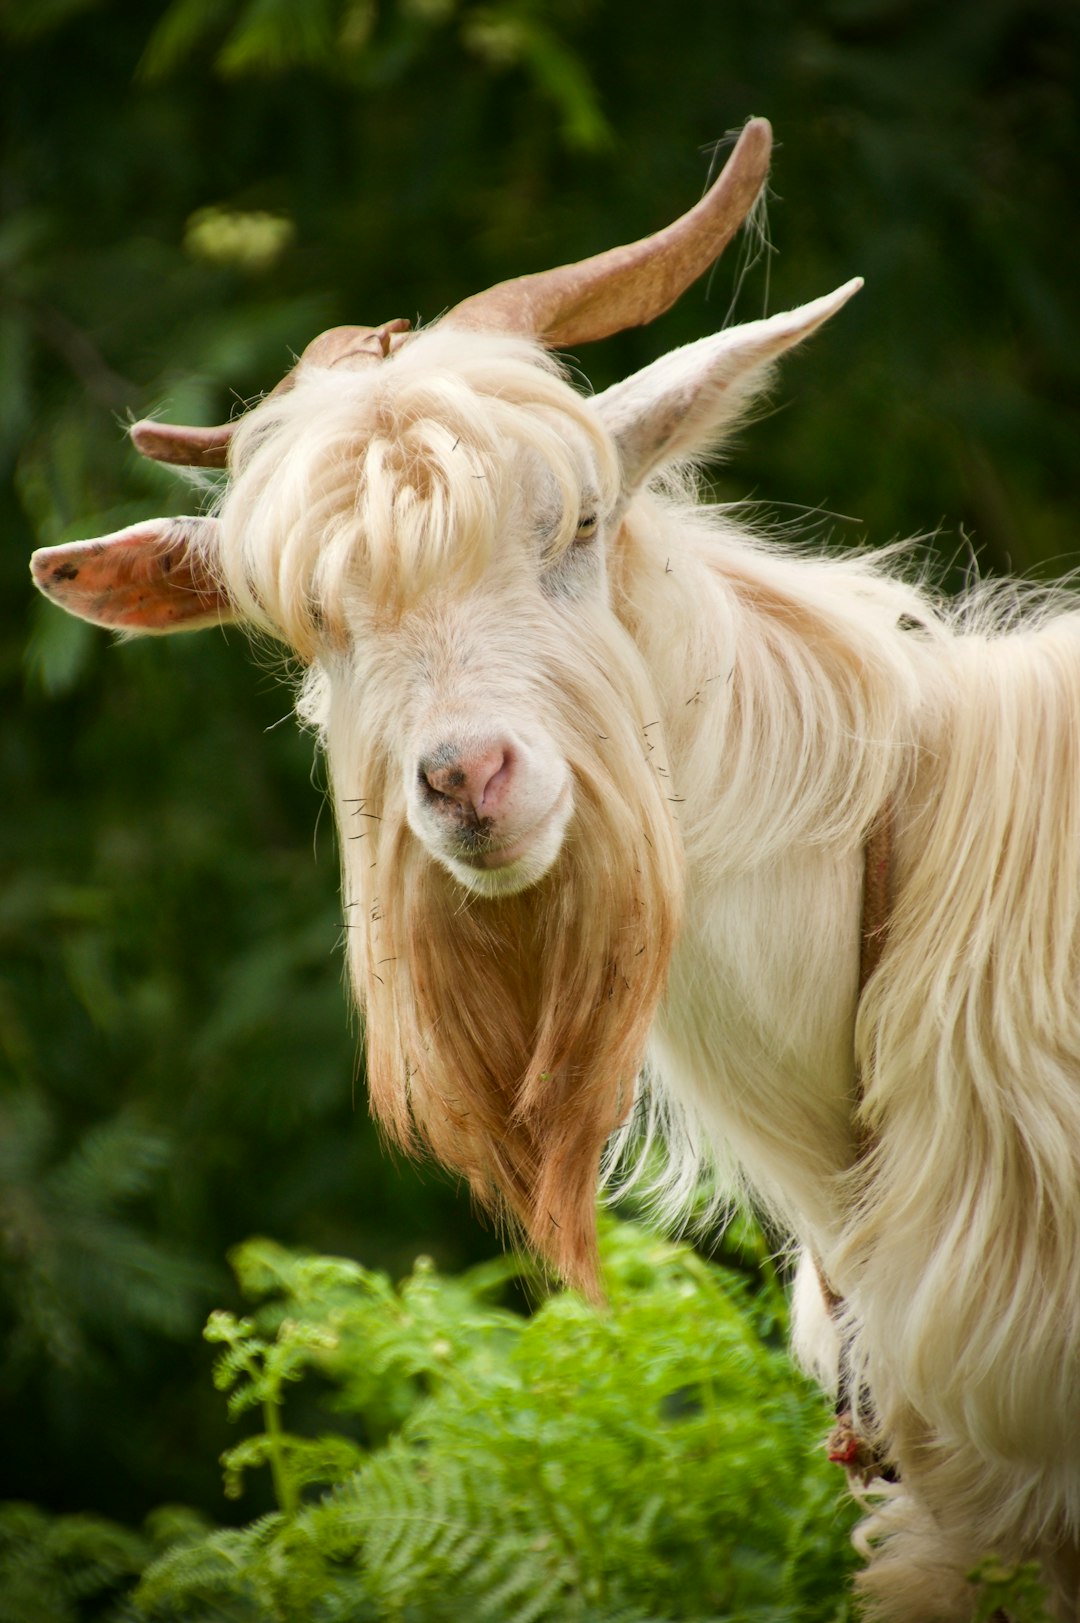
(507, 1033)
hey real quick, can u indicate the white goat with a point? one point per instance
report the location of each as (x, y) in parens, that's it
(605, 767)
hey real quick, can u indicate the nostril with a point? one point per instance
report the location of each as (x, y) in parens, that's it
(444, 781)
(473, 782)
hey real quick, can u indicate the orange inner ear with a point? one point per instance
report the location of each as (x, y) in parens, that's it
(150, 577)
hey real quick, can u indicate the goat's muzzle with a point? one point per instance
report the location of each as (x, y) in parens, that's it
(494, 810)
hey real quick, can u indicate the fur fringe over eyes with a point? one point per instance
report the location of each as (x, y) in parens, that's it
(355, 496)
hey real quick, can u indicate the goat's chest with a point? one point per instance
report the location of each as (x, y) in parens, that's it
(755, 1037)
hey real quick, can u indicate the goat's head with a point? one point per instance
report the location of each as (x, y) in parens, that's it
(434, 523)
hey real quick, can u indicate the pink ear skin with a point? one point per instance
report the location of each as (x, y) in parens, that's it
(149, 577)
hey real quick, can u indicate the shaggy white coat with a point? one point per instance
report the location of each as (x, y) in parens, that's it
(453, 541)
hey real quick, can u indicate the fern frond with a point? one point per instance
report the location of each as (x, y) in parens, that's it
(218, 1564)
(49, 1566)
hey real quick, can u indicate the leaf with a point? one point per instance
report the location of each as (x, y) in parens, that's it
(183, 27)
(272, 36)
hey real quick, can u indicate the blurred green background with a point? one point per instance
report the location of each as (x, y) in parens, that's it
(189, 192)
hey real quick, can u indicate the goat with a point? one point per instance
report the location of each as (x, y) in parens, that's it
(604, 767)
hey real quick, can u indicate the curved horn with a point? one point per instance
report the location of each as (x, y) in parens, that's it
(209, 447)
(572, 304)
(627, 287)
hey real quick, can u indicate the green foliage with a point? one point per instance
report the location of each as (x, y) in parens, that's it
(653, 1460)
(74, 1259)
(56, 1569)
(356, 41)
(1014, 1592)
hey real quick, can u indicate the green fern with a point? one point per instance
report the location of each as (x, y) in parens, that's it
(51, 1568)
(653, 1460)
(74, 1261)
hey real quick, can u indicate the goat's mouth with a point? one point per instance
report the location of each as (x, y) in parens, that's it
(490, 869)
(487, 856)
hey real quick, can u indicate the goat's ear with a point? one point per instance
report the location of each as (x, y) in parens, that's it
(683, 403)
(150, 577)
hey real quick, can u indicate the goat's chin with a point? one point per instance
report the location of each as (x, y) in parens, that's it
(509, 880)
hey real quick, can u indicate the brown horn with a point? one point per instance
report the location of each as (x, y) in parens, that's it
(627, 287)
(572, 304)
(209, 447)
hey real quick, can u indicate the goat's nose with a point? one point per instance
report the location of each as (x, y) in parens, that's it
(474, 780)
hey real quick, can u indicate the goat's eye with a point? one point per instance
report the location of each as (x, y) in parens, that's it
(587, 528)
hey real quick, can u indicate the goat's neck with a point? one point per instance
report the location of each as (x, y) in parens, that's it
(782, 744)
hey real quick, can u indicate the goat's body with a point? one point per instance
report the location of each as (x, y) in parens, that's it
(955, 1243)
(754, 710)
(604, 767)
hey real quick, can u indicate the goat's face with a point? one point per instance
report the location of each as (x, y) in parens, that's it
(434, 543)
(487, 790)
(482, 734)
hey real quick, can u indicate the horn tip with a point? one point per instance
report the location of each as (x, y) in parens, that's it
(756, 139)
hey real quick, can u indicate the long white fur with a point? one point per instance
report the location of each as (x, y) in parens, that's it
(794, 696)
